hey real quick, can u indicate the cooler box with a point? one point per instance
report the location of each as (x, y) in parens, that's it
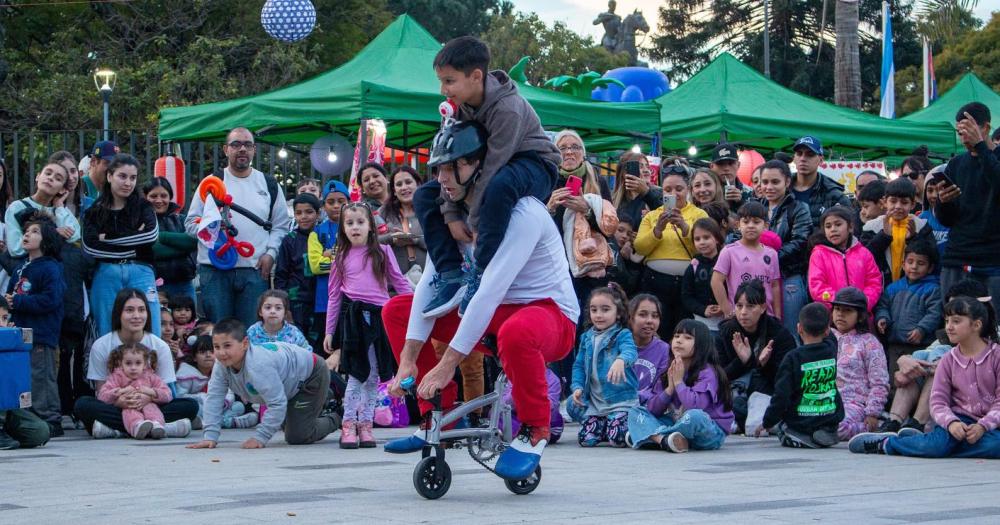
(15, 368)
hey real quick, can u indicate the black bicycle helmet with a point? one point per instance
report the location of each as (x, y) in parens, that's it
(457, 141)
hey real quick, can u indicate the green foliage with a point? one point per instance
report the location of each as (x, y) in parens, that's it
(166, 53)
(447, 19)
(555, 50)
(945, 21)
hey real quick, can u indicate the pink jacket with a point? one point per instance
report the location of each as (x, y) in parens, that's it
(830, 270)
(117, 379)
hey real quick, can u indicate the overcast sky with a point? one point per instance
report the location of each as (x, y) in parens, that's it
(579, 14)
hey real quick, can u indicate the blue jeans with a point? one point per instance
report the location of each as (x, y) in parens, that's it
(526, 175)
(700, 430)
(111, 278)
(939, 443)
(793, 298)
(230, 293)
(178, 289)
(951, 275)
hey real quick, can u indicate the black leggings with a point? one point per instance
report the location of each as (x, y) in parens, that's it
(666, 288)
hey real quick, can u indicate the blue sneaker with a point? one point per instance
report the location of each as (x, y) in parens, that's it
(521, 458)
(471, 287)
(869, 442)
(449, 289)
(405, 445)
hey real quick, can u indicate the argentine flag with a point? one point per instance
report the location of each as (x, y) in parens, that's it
(888, 69)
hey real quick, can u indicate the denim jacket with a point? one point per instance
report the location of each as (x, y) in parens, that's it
(624, 348)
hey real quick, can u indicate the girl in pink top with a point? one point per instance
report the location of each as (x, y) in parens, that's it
(133, 370)
(360, 277)
(965, 398)
(862, 373)
(838, 260)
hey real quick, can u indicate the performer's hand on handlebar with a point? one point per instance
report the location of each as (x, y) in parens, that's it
(402, 373)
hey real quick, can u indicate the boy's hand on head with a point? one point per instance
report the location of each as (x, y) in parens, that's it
(974, 433)
(969, 130)
(202, 444)
(915, 336)
(958, 430)
(882, 325)
(460, 231)
(252, 443)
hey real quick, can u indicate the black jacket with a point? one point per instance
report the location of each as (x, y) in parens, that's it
(769, 328)
(826, 194)
(696, 286)
(974, 238)
(630, 210)
(805, 394)
(290, 274)
(127, 234)
(791, 221)
(78, 270)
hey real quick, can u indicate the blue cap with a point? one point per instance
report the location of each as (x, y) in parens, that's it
(104, 149)
(810, 142)
(335, 186)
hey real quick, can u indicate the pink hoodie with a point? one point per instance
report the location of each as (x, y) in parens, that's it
(830, 270)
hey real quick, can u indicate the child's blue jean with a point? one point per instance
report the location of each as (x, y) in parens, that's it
(526, 175)
(700, 430)
(939, 443)
(111, 278)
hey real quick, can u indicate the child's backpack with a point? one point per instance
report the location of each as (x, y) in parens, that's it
(390, 411)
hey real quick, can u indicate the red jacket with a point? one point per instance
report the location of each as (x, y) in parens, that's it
(830, 270)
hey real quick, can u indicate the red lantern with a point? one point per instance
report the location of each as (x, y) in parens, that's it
(172, 169)
(749, 160)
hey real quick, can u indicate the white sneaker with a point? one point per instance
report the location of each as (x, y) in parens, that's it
(158, 432)
(142, 429)
(178, 429)
(248, 420)
(677, 443)
(101, 431)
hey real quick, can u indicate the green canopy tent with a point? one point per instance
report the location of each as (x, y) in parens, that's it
(391, 79)
(969, 89)
(732, 101)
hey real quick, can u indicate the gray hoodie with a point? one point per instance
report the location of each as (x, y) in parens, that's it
(272, 374)
(512, 127)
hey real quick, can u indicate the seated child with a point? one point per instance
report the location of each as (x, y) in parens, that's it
(915, 376)
(192, 382)
(862, 377)
(886, 236)
(692, 404)
(182, 308)
(806, 408)
(520, 161)
(19, 428)
(169, 335)
(909, 311)
(290, 269)
(292, 381)
(275, 321)
(696, 285)
(604, 385)
(654, 354)
(132, 369)
(963, 398)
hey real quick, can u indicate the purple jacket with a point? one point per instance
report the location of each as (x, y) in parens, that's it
(652, 363)
(704, 395)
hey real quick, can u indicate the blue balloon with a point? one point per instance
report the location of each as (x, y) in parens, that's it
(641, 84)
(229, 257)
(288, 20)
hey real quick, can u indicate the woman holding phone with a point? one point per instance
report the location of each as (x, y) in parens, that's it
(664, 238)
(633, 194)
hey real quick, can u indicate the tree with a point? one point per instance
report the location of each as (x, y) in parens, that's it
(847, 72)
(555, 50)
(447, 19)
(944, 21)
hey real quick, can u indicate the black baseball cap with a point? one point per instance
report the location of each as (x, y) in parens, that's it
(725, 151)
(850, 297)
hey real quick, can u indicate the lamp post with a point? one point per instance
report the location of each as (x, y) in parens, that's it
(104, 80)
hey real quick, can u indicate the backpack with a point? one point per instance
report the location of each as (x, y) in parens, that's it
(272, 189)
(390, 412)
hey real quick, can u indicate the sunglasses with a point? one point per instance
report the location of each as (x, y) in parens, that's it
(914, 175)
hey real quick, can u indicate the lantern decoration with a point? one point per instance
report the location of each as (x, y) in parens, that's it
(288, 20)
(331, 155)
(749, 160)
(172, 168)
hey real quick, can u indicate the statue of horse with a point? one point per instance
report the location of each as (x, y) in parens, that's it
(632, 24)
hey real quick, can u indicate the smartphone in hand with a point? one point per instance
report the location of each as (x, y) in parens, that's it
(632, 168)
(575, 184)
(669, 202)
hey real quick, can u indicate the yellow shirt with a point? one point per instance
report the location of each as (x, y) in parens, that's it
(670, 245)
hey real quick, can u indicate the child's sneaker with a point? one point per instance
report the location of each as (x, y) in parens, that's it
(158, 432)
(449, 289)
(869, 442)
(7, 442)
(365, 436)
(675, 442)
(792, 439)
(178, 429)
(890, 425)
(101, 431)
(475, 277)
(349, 435)
(825, 438)
(248, 420)
(142, 429)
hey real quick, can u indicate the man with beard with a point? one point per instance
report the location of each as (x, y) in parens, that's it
(234, 292)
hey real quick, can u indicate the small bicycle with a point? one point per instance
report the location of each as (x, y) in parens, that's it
(432, 475)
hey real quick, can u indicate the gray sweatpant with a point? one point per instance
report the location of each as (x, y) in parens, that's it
(303, 423)
(44, 388)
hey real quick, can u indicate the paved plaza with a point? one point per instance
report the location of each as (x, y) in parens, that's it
(77, 479)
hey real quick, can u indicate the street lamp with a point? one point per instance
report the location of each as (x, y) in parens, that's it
(104, 80)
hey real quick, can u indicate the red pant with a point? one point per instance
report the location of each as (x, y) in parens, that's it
(528, 337)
